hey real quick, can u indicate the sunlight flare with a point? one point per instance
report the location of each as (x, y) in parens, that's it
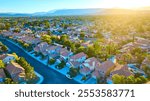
(125, 3)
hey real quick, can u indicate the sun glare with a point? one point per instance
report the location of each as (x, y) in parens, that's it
(125, 3)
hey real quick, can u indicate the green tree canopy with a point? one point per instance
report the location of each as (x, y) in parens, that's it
(2, 65)
(46, 38)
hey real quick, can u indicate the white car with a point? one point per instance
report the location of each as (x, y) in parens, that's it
(68, 76)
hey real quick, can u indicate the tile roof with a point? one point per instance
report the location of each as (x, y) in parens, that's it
(96, 73)
(60, 59)
(142, 40)
(2, 73)
(59, 49)
(65, 53)
(40, 47)
(14, 68)
(106, 65)
(54, 55)
(77, 56)
(3, 56)
(36, 40)
(85, 70)
(122, 70)
(75, 63)
(51, 48)
(91, 62)
(146, 61)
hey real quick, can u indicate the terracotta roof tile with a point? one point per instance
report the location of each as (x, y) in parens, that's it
(14, 68)
(91, 62)
(3, 56)
(95, 73)
(2, 73)
(121, 70)
(75, 63)
(85, 70)
(79, 55)
(106, 65)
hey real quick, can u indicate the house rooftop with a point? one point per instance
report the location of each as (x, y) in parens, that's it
(75, 63)
(106, 65)
(146, 61)
(77, 56)
(2, 73)
(85, 70)
(51, 48)
(14, 68)
(43, 43)
(96, 73)
(3, 56)
(65, 53)
(122, 70)
(142, 40)
(91, 62)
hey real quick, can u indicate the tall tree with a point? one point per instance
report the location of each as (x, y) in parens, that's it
(2, 65)
(46, 38)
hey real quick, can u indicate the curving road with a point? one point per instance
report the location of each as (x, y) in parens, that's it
(50, 76)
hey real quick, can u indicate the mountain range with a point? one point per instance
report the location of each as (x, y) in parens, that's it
(67, 12)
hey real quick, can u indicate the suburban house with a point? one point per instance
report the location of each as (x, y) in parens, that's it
(95, 74)
(128, 47)
(146, 62)
(89, 65)
(139, 42)
(41, 47)
(31, 40)
(64, 55)
(36, 41)
(104, 69)
(143, 43)
(2, 75)
(76, 60)
(53, 51)
(16, 72)
(16, 36)
(120, 70)
(26, 31)
(48, 50)
(27, 39)
(7, 58)
(6, 33)
(86, 44)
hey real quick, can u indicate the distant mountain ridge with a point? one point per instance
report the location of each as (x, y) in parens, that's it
(13, 15)
(77, 12)
(65, 12)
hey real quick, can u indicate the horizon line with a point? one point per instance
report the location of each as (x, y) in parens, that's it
(137, 8)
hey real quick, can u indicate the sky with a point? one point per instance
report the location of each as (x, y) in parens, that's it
(31, 6)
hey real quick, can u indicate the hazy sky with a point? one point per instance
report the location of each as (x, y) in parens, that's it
(30, 6)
